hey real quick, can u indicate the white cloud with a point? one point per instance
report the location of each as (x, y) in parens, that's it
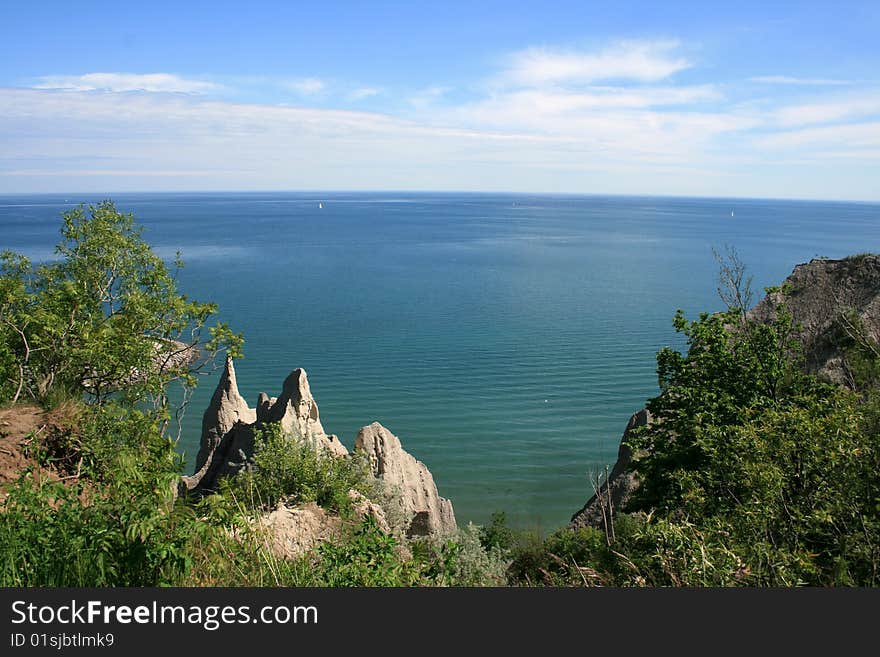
(644, 61)
(306, 86)
(153, 82)
(428, 96)
(284, 147)
(131, 142)
(828, 111)
(854, 136)
(553, 120)
(537, 104)
(289, 147)
(364, 92)
(788, 80)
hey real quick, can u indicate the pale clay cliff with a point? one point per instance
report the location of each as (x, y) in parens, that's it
(228, 433)
(417, 496)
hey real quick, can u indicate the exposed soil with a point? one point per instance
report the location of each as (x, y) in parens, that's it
(22, 428)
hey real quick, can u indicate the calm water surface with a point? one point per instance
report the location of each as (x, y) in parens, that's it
(505, 338)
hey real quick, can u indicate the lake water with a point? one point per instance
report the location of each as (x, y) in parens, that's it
(506, 339)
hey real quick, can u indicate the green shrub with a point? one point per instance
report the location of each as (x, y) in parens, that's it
(102, 318)
(754, 472)
(368, 557)
(460, 560)
(497, 535)
(121, 529)
(286, 468)
(578, 557)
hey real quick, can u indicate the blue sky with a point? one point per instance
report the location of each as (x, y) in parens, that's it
(710, 99)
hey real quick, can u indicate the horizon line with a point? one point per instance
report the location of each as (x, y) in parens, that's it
(108, 195)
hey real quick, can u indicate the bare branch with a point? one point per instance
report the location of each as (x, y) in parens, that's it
(734, 287)
(27, 355)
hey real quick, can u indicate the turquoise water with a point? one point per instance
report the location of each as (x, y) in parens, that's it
(505, 338)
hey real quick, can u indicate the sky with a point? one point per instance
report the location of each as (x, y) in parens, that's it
(739, 99)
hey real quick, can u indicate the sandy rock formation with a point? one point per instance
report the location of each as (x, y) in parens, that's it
(297, 411)
(291, 531)
(365, 508)
(229, 427)
(229, 424)
(410, 479)
(227, 408)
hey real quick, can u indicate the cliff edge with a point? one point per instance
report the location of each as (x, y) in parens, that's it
(827, 299)
(229, 428)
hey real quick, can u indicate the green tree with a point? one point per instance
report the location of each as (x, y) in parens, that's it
(755, 465)
(104, 318)
(104, 323)
(731, 372)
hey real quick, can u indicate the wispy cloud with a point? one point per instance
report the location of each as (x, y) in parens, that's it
(794, 81)
(120, 82)
(306, 86)
(428, 96)
(364, 92)
(855, 136)
(615, 118)
(835, 109)
(645, 61)
(557, 103)
(616, 102)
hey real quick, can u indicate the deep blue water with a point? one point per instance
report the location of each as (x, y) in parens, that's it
(505, 338)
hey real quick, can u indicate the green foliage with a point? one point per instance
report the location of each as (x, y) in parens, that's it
(497, 535)
(103, 322)
(858, 257)
(770, 474)
(732, 372)
(368, 557)
(104, 318)
(861, 353)
(461, 560)
(751, 473)
(122, 529)
(290, 469)
(577, 557)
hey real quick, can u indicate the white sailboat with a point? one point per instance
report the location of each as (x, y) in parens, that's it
(320, 205)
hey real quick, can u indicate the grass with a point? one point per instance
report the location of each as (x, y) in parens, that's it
(120, 523)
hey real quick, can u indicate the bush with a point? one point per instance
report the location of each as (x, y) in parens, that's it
(121, 528)
(578, 557)
(368, 557)
(754, 472)
(460, 560)
(288, 469)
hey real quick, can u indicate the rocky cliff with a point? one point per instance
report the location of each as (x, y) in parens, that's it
(826, 299)
(228, 426)
(415, 491)
(228, 433)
